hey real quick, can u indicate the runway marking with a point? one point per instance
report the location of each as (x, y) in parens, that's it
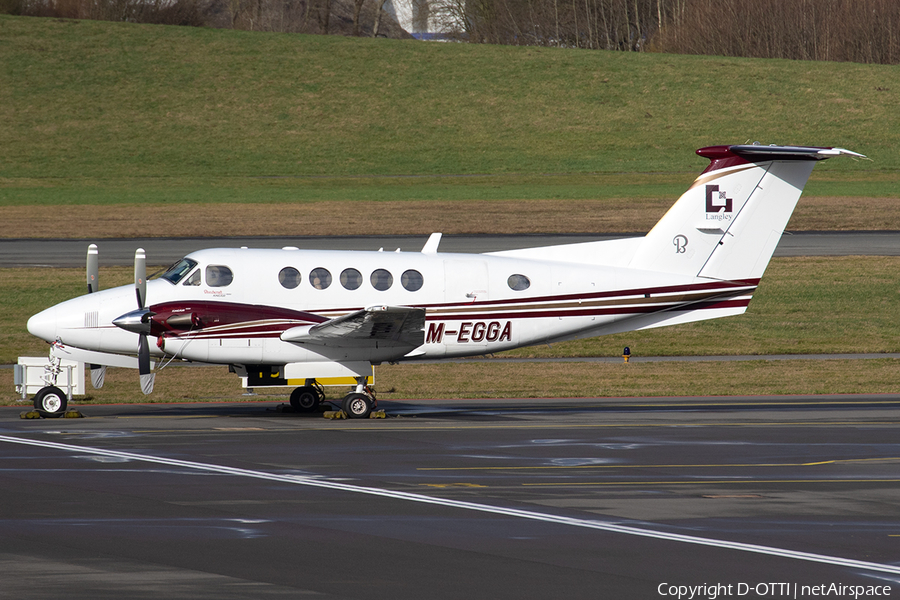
(607, 526)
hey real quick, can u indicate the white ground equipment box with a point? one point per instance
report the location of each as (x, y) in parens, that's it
(33, 373)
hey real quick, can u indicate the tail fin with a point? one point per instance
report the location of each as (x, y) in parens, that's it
(726, 226)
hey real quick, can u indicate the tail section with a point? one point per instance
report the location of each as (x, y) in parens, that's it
(726, 226)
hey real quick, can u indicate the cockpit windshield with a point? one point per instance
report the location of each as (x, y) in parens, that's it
(177, 271)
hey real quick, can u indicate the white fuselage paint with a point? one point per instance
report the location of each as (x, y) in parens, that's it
(470, 308)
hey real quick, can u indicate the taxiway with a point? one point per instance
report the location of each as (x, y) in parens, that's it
(164, 251)
(569, 498)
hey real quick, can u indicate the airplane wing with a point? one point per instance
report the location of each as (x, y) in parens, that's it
(396, 326)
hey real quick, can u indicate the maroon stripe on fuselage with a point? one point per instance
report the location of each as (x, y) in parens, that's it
(656, 291)
(231, 319)
(589, 312)
(217, 314)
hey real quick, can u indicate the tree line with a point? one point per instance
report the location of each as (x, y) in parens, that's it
(866, 31)
(344, 17)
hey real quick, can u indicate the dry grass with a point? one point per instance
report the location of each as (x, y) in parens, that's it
(403, 217)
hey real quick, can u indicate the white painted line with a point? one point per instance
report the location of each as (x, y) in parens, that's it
(484, 508)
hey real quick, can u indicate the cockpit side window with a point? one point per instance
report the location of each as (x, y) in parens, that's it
(177, 271)
(194, 279)
(218, 276)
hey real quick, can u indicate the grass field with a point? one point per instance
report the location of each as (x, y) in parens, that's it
(120, 114)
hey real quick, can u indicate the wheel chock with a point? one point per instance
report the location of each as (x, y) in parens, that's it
(41, 414)
(378, 414)
(334, 414)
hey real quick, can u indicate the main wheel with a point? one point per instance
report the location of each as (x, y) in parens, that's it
(357, 406)
(305, 399)
(51, 400)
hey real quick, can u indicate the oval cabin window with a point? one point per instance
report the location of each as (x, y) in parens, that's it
(381, 279)
(320, 278)
(518, 282)
(218, 276)
(289, 277)
(412, 280)
(351, 279)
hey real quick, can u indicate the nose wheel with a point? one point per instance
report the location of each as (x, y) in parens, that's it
(51, 401)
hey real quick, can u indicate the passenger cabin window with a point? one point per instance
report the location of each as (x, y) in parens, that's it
(177, 271)
(289, 277)
(218, 276)
(351, 279)
(381, 279)
(412, 280)
(194, 279)
(320, 278)
(518, 283)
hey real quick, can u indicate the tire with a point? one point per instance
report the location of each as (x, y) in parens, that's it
(305, 399)
(357, 406)
(51, 401)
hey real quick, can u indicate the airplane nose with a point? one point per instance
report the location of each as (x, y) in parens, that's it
(43, 325)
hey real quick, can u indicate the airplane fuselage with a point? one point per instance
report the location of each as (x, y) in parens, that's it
(474, 304)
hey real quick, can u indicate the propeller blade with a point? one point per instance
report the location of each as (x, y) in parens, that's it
(140, 277)
(93, 269)
(98, 376)
(143, 355)
(147, 377)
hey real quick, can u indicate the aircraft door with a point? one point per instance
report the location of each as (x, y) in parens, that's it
(465, 280)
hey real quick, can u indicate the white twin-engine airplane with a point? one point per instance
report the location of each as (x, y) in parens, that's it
(305, 317)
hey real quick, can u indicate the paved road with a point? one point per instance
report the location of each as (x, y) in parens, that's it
(71, 253)
(506, 499)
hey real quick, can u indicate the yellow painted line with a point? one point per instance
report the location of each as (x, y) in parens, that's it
(660, 466)
(621, 466)
(551, 426)
(709, 482)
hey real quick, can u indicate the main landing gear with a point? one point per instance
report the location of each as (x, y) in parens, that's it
(308, 397)
(358, 404)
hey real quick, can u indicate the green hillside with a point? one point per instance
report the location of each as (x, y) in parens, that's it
(96, 112)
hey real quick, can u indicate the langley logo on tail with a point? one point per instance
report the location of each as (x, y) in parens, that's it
(309, 318)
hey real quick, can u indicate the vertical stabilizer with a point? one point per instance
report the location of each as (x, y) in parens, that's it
(726, 226)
